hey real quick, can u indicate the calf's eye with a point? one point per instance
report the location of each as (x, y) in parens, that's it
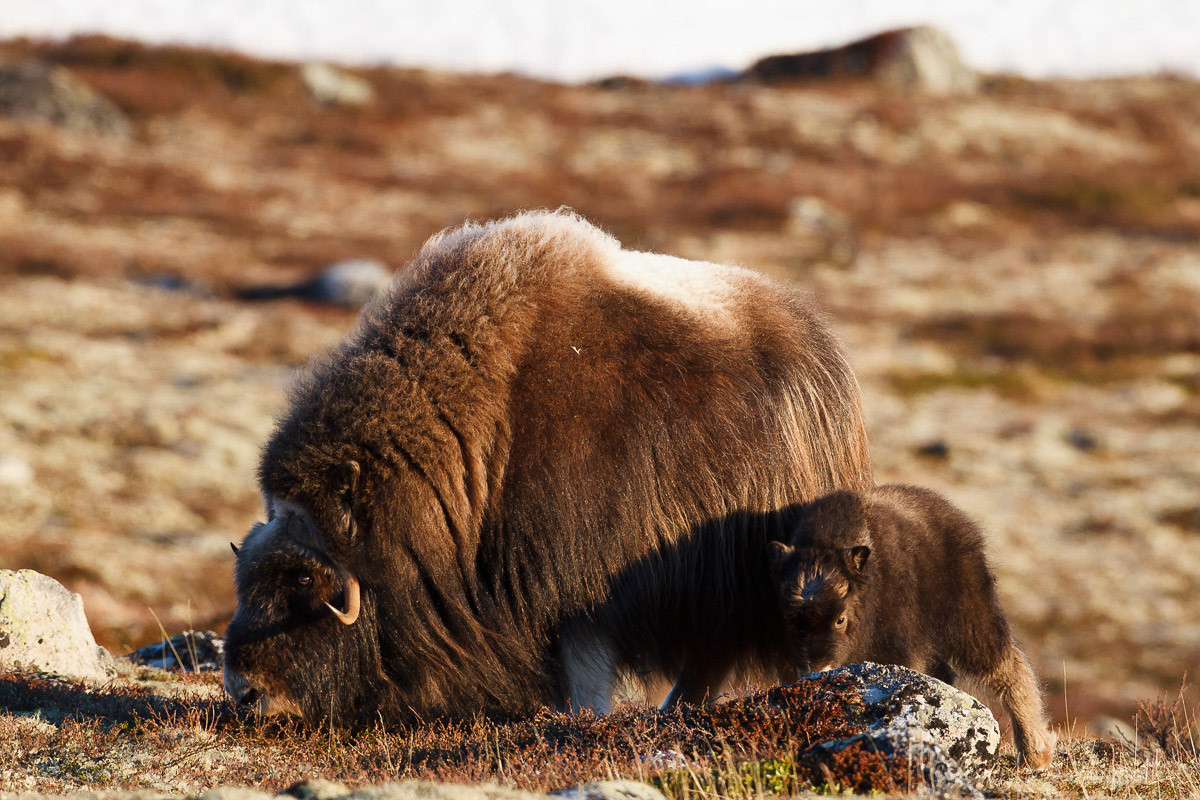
(303, 580)
(841, 622)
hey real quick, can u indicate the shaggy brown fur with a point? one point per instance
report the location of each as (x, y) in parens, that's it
(569, 469)
(898, 575)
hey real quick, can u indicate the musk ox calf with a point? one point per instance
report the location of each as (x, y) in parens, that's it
(898, 575)
(540, 463)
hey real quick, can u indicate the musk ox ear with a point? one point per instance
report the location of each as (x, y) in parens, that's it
(344, 482)
(777, 554)
(856, 559)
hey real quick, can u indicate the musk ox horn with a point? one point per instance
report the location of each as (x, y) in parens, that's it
(351, 599)
(235, 548)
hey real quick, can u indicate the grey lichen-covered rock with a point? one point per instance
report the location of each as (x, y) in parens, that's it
(611, 790)
(190, 651)
(43, 629)
(951, 738)
(37, 90)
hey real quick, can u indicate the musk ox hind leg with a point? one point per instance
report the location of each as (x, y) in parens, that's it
(1013, 681)
(589, 669)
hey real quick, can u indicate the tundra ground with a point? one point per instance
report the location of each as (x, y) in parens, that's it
(159, 732)
(1016, 273)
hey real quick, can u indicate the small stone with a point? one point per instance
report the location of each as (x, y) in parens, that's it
(15, 472)
(1115, 730)
(1082, 440)
(665, 759)
(963, 215)
(611, 790)
(349, 283)
(234, 793)
(334, 87)
(937, 449)
(190, 651)
(316, 789)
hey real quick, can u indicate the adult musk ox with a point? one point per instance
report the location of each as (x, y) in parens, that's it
(540, 462)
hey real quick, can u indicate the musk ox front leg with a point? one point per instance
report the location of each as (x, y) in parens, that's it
(589, 669)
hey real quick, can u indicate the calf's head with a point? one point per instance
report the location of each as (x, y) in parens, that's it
(821, 579)
(301, 640)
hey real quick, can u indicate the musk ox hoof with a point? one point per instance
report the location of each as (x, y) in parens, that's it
(1039, 752)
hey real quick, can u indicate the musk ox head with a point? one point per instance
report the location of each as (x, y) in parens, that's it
(821, 579)
(300, 640)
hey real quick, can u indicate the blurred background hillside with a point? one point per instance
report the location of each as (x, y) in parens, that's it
(1007, 235)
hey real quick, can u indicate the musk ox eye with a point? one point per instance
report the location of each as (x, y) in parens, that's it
(840, 623)
(303, 580)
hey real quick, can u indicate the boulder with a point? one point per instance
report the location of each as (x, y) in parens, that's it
(36, 90)
(43, 629)
(950, 737)
(334, 87)
(921, 59)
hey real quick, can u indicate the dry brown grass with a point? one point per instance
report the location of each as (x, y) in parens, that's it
(1167, 726)
(752, 746)
(1026, 270)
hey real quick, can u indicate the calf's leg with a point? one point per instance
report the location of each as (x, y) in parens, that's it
(698, 681)
(1012, 679)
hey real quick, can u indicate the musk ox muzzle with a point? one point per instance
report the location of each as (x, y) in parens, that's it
(299, 591)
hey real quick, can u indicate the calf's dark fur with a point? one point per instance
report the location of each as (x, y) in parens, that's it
(898, 575)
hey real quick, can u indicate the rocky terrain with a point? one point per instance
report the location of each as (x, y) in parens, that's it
(1016, 271)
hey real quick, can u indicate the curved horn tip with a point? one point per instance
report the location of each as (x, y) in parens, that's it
(352, 598)
(234, 547)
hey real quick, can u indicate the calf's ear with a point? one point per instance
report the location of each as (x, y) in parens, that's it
(777, 553)
(856, 559)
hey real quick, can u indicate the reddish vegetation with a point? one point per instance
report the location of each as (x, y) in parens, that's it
(763, 738)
